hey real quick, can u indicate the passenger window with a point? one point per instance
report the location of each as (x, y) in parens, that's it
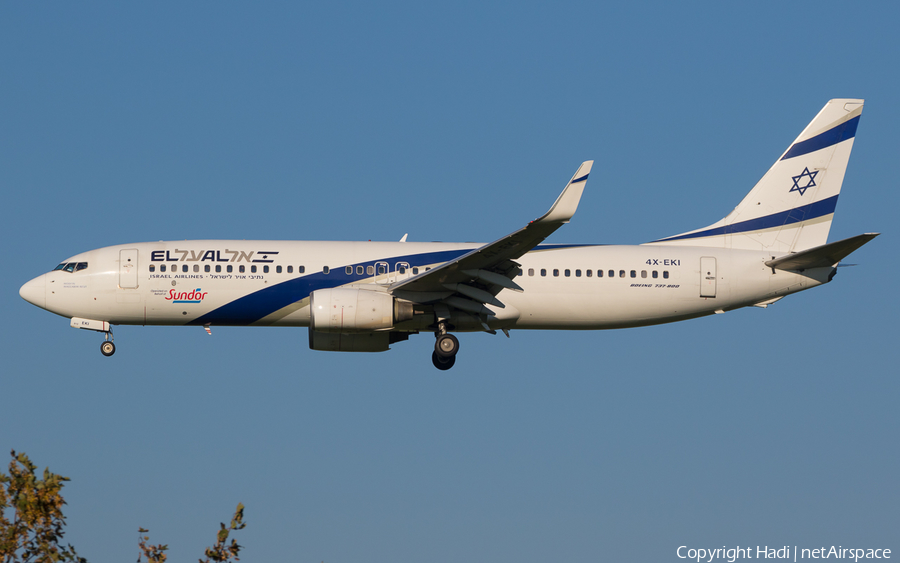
(359, 270)
(229, 268)
(290, 269)
(326, 269)
(599, 273)
(666, 274)
(401, 269)
(370, 270)
(277, 269)
(577, 273)
(301, 269)
(265, 269)
(241, 268)
(152, 268)
(206, 268)
(530, 271)
(382, 269)
(218, 268)
(555, 273)
(643, 273)
(612, 273)
(415, 271)
(568, 273)
(633, 273)
(348, 270)
(252, 269)
(184, 268)
(543, 273)
(196, 268)
(655, 274)
(162, 267)
(588, 272)
(621, 273)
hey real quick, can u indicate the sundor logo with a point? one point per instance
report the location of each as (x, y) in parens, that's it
(195, 296)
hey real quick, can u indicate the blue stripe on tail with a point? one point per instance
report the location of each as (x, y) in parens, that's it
(833, 136)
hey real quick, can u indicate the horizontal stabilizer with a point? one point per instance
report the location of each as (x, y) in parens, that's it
(821, 256)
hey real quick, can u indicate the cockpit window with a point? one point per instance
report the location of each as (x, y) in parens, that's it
(71, 266)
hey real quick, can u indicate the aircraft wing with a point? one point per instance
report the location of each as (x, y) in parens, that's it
(821, 256)
(475, 278)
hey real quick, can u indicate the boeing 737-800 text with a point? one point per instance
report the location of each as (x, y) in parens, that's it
(365, 296)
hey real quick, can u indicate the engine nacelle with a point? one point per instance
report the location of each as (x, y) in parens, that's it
(349, 310)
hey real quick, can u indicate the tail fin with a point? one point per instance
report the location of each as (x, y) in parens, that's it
(790, 209)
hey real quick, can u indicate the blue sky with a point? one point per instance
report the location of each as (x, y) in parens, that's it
(459, 122)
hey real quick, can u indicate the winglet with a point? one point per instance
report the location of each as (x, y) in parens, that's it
(567, 202)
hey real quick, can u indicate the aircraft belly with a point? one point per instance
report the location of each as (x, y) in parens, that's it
(587, 311)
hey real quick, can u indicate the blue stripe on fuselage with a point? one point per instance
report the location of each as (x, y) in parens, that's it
(260, 304)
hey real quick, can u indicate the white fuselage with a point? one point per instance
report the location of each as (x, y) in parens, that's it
(268, 283)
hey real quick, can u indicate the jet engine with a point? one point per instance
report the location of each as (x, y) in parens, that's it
(355, 310)
(355, 320)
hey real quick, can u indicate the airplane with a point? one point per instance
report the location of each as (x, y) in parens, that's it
(366, 296)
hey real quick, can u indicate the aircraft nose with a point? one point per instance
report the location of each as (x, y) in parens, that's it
(35, 292)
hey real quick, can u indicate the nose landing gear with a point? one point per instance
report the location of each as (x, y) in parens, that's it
(108, 347)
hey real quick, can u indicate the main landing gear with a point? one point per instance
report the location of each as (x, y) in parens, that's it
(445, 348)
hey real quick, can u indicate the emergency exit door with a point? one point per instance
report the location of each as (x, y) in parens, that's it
(708, 276)
(128, 268)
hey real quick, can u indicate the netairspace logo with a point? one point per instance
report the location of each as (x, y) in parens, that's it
(732, 554)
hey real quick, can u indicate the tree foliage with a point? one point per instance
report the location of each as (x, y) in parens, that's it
(32, 522)
(35, 505)
(220, 552)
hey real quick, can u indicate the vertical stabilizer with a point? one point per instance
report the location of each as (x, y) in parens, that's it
(790, 209)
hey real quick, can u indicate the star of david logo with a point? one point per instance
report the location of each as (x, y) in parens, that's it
(811, 183)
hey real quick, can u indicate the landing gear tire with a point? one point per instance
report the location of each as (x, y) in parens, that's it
(107, 348)
(442, 364)
(446, 346)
